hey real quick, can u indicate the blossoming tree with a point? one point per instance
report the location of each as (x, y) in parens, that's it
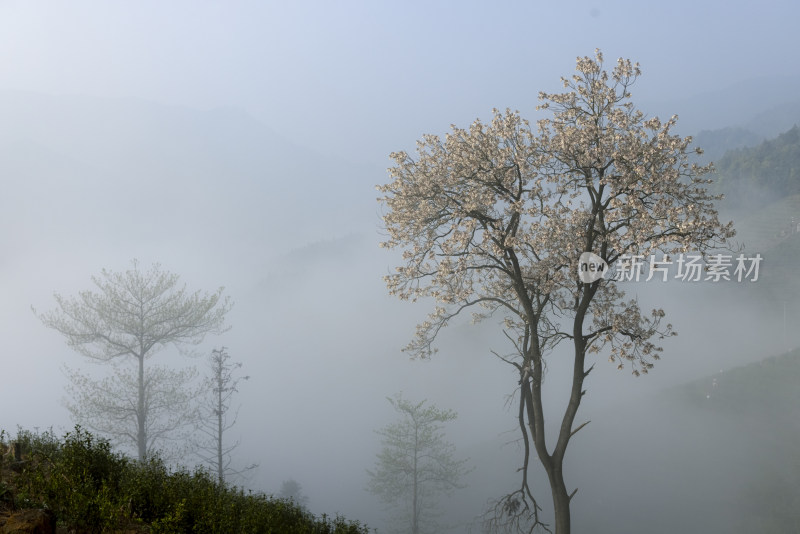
(495, 217)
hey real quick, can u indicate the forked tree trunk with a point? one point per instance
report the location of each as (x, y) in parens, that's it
(553, 463)
(555, 471)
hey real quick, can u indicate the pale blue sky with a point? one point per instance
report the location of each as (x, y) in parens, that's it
(346, 76)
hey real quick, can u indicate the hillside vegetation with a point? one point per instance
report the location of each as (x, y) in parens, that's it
(92, 489)
(761, 185)
(752, 177)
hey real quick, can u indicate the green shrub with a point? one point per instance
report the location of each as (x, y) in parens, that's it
(93, 489)
(78, 479)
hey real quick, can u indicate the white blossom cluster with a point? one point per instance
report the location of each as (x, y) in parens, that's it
(496, 214)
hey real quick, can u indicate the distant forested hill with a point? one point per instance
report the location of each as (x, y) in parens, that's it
(751, 177)
(716, 143)
(761, 186)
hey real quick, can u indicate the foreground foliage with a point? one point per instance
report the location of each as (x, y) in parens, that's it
(91, 488)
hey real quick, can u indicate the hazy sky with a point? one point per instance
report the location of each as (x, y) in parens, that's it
(148, 129)
(349, 76)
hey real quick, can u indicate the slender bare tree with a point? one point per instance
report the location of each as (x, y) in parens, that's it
(215, 417)
(495, 219)
(128, 318)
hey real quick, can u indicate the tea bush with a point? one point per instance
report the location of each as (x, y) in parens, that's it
(93, 489)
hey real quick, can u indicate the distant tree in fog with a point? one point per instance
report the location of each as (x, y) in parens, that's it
(494, 219)
(127, 319)
(215, 415)
(415, 465)
(292, 490)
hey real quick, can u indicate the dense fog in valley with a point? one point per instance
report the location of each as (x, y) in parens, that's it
(239, 146)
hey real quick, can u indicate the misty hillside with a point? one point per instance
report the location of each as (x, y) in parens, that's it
(762, 398)
(751, 177)
(772, 231)
(718, 454)
(761, 188)
(768, 387)
(758, 403)
(737, 132)
(716, 143)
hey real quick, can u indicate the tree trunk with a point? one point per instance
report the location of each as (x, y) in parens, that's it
(220, 430)
(414, 509)
(560, 500)
(141, 436)
(555, 471)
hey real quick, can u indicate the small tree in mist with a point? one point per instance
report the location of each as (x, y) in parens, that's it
(215, 418)
(129, 318)
(494, 219)
(416, 464)
(291, 490)
(110, 406)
